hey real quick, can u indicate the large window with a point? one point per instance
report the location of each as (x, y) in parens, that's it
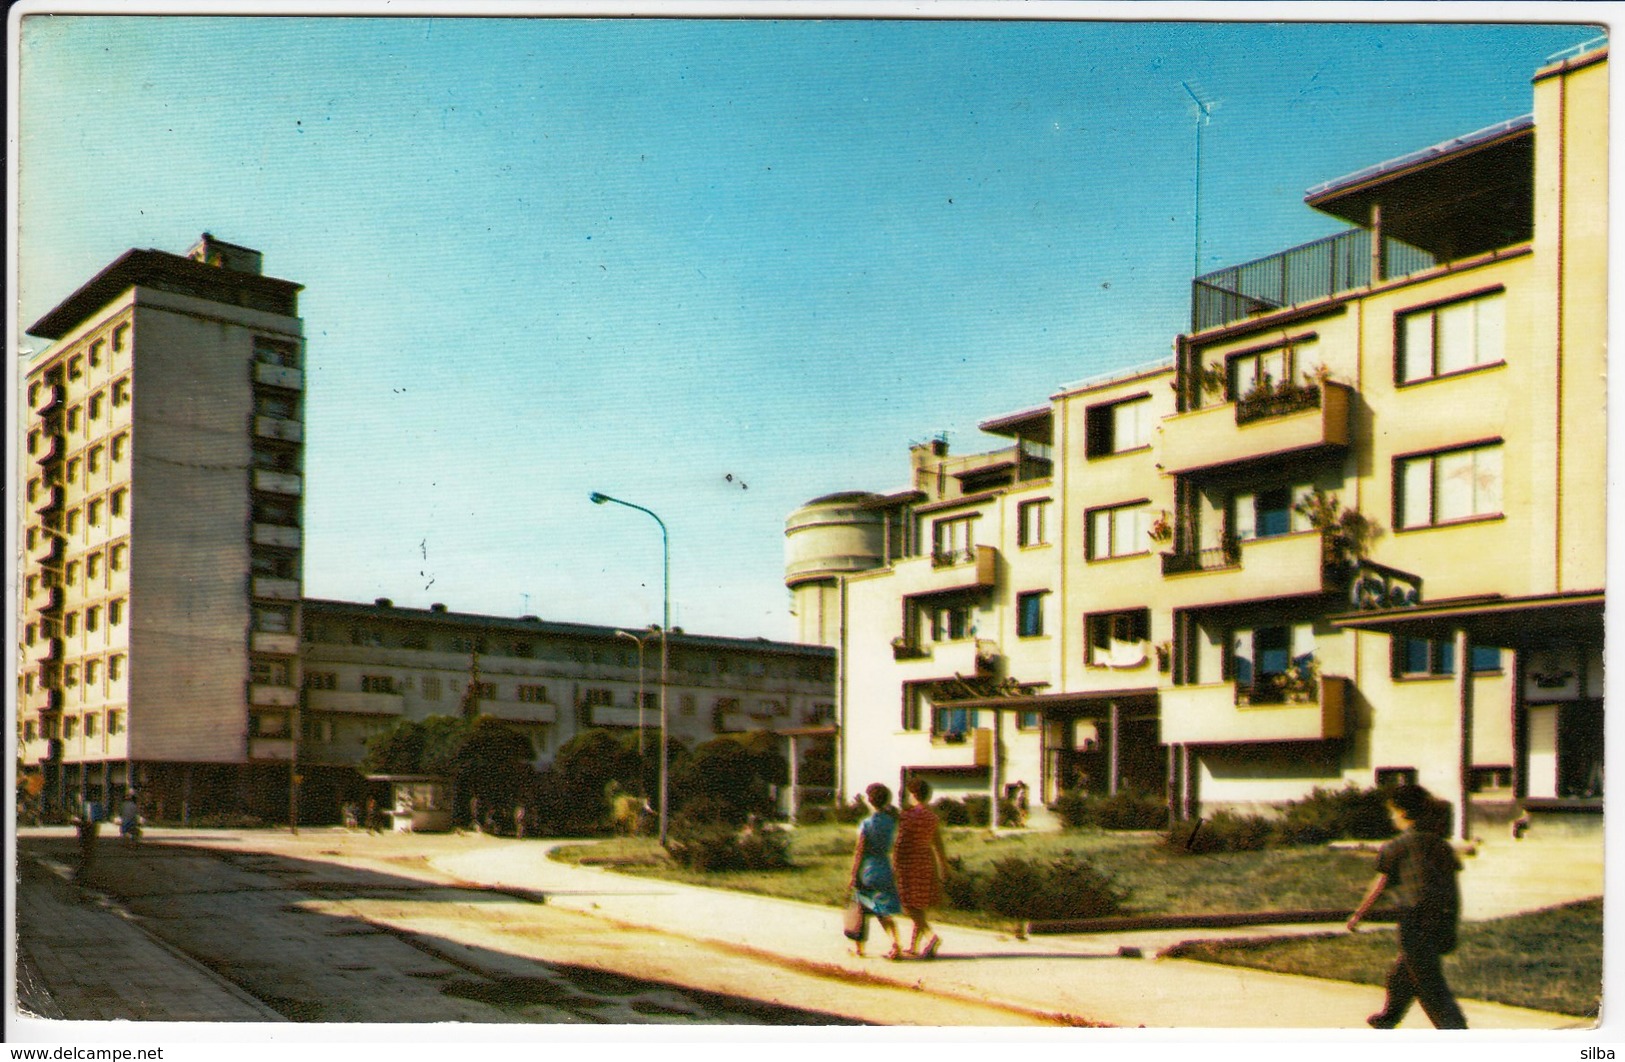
(1118, 639)
(1120, 531)
(1260, 655)
(1269, 368)
(1120, 426)
(953, 539)
(1267, 513)
(1030, 613)
(1453, 485)
(1423, 657)
(951, 623)
(1034, 519)
(1451, 338)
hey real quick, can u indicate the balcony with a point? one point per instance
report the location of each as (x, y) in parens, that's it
(43, 699)
(611, 715)
(963, 656)
(50, 448)
(973, 749)
(50, 397)
(1309, 273)
(279, 376)
(277, 644)
(49, 499)
(43, 649)
(354, 703)
(955, 572)
(1302, 422)
(276, 482)
(1212, 714)
(273, 696)
(1256, 569)
(44, 597)
(265, 586)
(278, 428)
(276, 535)
(528, 712)
(47, 549)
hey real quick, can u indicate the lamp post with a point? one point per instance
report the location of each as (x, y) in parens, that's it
(639, 641)
(665, 625)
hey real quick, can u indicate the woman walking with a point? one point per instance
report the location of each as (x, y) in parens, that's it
(1419, 867)
(921, 865)
(872, 883)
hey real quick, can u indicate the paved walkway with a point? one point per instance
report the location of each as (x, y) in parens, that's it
(83, 952)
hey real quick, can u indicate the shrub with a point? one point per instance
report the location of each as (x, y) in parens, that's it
(851, 814)
(713, 846)
(952, 812)
(1328, 814)
(1067, 886)
(1223, 831)
(1126, 810)
(815, 814)
(964, 887)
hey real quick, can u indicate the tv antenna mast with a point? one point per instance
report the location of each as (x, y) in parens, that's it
(1204, 114)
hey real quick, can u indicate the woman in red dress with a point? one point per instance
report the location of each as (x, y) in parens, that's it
(921, 864)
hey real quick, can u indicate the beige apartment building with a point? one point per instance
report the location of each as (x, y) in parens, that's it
(1353, 532)
(165, 638)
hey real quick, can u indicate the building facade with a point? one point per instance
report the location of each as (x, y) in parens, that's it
(165, 638)
(1352, 532)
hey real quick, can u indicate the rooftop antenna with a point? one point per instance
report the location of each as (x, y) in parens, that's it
(1204, 114)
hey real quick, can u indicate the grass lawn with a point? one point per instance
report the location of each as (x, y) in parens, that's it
(1549, 959)
(1160, 880)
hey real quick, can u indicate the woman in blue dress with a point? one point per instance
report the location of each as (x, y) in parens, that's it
(872, 883)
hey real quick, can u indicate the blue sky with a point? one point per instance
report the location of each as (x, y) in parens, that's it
(716, 268)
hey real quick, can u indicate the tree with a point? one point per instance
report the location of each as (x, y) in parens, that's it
(491, 762)
(730, 777)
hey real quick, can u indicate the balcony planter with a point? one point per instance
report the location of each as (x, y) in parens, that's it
(902, 649)
(1278, 400)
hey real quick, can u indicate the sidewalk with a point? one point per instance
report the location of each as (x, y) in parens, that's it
(1082, 978)
(76, 956)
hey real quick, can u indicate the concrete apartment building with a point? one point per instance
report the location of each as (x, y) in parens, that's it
(165, 638)
(1138, 593)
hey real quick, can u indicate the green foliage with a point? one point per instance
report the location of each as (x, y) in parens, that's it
(734, 772)
(711, 846)
(483, 758)
(1329, 814)
(974, 809)
(1064, 885)
(1223, 831)
(1126, 810)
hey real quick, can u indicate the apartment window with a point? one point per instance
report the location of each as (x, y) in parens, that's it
(1034, 523)
(1267, 513)
(93, 513)
(1118, 639)
(280, 511)
(121, 391)
(93, 460)
(93, 619)
(1452, 338)
(1030, 613)
(70, 727)
(267, 405)
(953, 539)
(275, 352)
(121, 445)
(601, 697)
(264, 672)
(1260, 369)
(269, 725)
(116, 557)
(121, 334)
(29, 733)
(273, 619)
(76, 367)
(1454, 485)
(1424, 657)
(95, 354)
(70, 675)
(93, 672)
(90, 725)
(952, 724)
(73, 419)
(431, 687)
(94, 406)
(1119, 531)
(115, 612)
(71, 524)
(70, 624)
(532, 694)
(72, 475)
(1119, 427)
(321, 680)
(951, 623)
(1260, 654)
(115, 722)
(377, 684)
(115, 667)
(522, 650)
(115, 503)
(685, 704)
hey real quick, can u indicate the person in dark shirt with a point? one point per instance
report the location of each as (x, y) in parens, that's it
(1419, 869)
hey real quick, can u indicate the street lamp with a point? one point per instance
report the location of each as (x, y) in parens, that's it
(665, 625)
(639, 641)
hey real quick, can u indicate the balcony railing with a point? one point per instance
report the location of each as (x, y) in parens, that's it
(278, 428)
(274, 482)
(1278, 401)
(1223, 713)
(1215, 558)
(279, 376)
(1304, 274)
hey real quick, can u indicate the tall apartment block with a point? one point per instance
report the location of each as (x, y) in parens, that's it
(161, 576)
(1352, 532)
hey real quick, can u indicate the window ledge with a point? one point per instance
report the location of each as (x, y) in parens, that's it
(1119, 453)
(1487, 518)
(1404, 385)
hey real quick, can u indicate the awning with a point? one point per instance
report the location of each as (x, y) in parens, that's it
(1546, 621)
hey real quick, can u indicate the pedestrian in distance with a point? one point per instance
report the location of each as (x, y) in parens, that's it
(372, 814)
(519, 822)
(921, 865)
(872, 883)
(1419, 869)
(87, 823)
(129, 818)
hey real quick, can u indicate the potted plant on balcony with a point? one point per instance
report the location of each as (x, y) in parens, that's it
(903, 649)
(1300, 685)
(1162, 528)
(1346, 534)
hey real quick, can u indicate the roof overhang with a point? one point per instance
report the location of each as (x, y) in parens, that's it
(1034, 425)
(1470, 194)
(1090, 702)
(1543, 621)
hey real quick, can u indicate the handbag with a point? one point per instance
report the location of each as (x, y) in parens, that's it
(856, 922)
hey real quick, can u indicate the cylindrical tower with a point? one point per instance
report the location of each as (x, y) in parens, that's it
(831, 536)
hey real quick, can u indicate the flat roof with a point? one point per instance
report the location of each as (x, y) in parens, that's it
(170, 272)
(555, 628)
(1542, 621)
(1036, 424)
